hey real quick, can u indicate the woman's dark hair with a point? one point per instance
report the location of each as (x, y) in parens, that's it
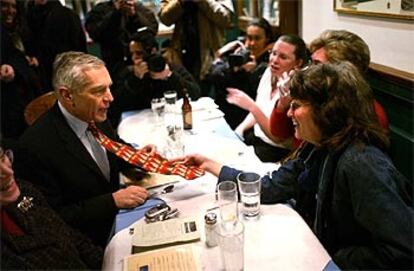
(263, 24)
(340, 105)
(301, 51)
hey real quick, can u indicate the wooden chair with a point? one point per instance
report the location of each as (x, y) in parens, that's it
(39, 106)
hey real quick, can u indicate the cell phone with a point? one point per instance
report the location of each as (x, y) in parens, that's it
(157, 212)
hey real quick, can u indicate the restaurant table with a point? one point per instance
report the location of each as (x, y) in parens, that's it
(278, 240)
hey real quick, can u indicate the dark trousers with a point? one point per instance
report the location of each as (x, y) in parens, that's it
(263, 150)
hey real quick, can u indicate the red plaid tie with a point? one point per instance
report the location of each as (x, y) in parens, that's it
(152, 163)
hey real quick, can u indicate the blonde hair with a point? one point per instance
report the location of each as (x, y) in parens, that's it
(342, 45)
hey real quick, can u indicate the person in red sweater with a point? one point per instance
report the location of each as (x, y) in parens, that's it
(331, 46)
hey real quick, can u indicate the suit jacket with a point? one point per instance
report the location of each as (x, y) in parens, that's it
(55, 160)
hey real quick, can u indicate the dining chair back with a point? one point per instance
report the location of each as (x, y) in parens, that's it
(39, 106)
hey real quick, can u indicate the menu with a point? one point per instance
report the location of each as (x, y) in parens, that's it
(164, 233)
(183, 258)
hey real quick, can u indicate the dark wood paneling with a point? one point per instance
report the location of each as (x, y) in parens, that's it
(394, 89)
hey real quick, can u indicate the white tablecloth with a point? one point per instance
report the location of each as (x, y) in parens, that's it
(279, 240)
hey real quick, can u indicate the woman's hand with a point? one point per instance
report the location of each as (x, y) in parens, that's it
(251, 65)
(229, 47)
(283, 87)
(200, 161)
(239, 98)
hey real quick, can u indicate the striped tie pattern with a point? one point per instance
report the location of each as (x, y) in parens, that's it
(150, 162)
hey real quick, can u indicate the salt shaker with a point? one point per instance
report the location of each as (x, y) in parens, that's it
(210, 221)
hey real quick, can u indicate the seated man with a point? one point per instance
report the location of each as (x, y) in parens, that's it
(61, 156)
(33, 236)
(148, 77)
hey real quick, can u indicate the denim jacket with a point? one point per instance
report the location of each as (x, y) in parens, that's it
(359, 206)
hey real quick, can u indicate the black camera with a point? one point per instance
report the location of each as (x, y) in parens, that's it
(156, 62)
(239, 58)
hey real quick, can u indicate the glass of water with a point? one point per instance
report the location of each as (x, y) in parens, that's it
(175, 146)
(227, 201)
(158, 108)
(249, 186)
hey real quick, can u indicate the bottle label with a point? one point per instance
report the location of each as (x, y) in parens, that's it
(188, 120)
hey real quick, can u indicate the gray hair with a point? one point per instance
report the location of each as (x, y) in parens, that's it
(69, 69)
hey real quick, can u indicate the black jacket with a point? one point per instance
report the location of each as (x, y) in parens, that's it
(133, 93)
(108, 27)
(56, 161)
(48, 242)
(359, 206)
(56, 29)
(221, 76)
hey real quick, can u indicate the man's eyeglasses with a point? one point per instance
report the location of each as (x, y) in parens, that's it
(8, 154)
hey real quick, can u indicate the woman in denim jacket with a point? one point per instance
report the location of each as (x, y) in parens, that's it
(344, 185)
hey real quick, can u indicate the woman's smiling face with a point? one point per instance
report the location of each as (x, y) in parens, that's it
(305, 127)
(9, 191)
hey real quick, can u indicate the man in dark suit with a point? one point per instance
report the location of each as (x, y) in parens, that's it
(77, 176)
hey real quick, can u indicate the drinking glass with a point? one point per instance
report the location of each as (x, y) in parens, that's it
(249, 187)
(227, 201)
(171, 115)
(158, 108)
(170, 96)
(231, 243)
(175, 142)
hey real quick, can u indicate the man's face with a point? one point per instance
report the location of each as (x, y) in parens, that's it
(92, 102)
(136, 50)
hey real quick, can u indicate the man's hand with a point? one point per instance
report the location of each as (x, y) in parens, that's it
(127, 7)
(32, 61)
(6, 73)
(162, 75)
(130, 197)
(140, 68)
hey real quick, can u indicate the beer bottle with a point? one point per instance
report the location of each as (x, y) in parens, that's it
(187, 112)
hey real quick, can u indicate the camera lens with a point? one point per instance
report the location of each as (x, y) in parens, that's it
(156, 63)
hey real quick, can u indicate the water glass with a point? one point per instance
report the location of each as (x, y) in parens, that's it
(171, 117)
(227, 201)
(170, 97)
(249, 186)
(158, 107)
(231, 243)
(175, 146)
